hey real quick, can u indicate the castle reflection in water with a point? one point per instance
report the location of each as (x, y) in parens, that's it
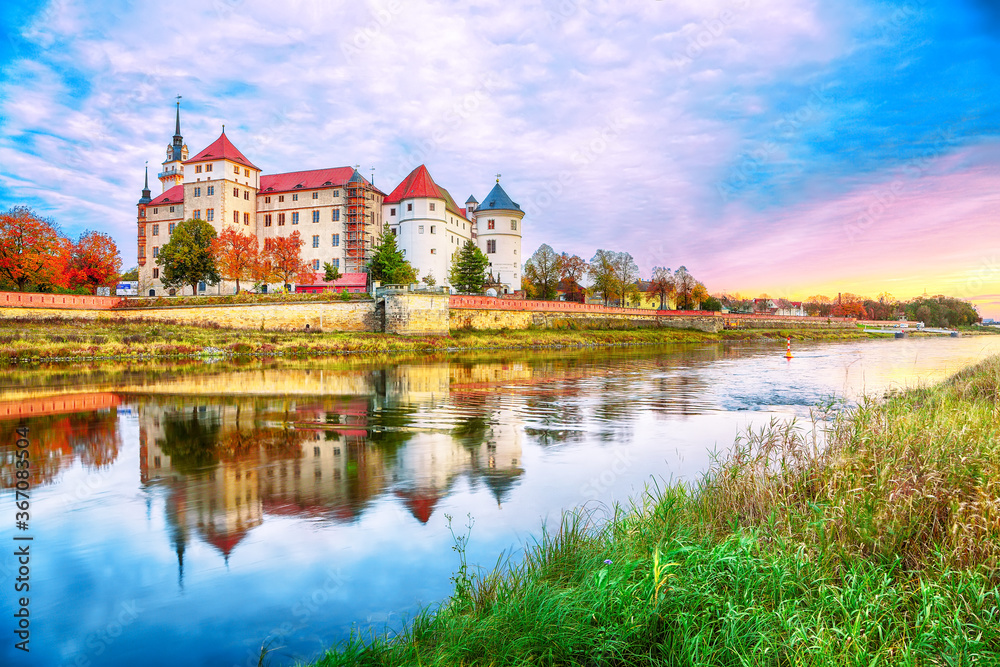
(323, 445)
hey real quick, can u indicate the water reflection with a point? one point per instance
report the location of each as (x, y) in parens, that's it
(224, 497)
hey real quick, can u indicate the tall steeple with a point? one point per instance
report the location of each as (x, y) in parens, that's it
(146, 198)
(177, 152)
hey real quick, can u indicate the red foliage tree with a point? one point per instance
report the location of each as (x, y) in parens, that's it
(284, 257)
(94, 261)
(236, 255)
(31, 250)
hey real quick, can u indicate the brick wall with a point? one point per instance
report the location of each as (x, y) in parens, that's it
(33, 300)
(417, 314)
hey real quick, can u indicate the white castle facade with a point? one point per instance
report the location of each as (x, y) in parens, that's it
(338, 213)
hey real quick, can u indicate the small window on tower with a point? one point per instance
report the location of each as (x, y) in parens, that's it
(513, 225)
(409, 207)
(420, 229)
(156, 273)
(392, 211)
(432, 206)
(491, 224)
(433, 229)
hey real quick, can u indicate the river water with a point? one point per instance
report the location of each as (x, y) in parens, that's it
(186, 514)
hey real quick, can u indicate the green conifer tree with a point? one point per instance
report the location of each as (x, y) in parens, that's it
(468, 269)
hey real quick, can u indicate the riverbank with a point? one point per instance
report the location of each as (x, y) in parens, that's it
(70, 340)
(881, 549)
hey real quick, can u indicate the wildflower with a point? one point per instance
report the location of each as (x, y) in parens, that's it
(608, 561)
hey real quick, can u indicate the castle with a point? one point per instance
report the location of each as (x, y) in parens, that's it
(339, 215)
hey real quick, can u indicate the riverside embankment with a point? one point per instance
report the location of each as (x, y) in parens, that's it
(881, 548)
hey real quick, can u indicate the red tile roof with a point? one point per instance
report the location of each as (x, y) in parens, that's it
(420, 184)
(174, 195)
(316, 178)
(221, 149)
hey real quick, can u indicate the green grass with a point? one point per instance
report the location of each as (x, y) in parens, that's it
(75, 340)
(880, 548)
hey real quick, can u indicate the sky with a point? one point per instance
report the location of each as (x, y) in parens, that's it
(787, 147)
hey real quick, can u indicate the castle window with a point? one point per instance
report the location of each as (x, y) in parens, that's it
(208, 167)
(267, 220)
(335, 262)
(295, 197)
(202, 286)
(281, 219)
(171, 209)
(336, 215)
(171, 227)
(434, 251)
(156, 273)
(420, 229)
(210, 190)
(315, 240)
(197, 214)
(267, 200)
(392, 211)
(246, 171)
(315, 265)
(433, 229)
(236, 192)
(336, 193)
(197, 169)
(491, 246)
(491, 224)
(236, 217)
(156, 251)
(209, 215)
(315, 215)
(197, 192)
(246, 218)
(315, 195)
(513, 225)
(295, 217)
(432, 206)
(236, 169)
(156, 230)
(409, 207)
(336, 239)
(246, 195)
(142, 252)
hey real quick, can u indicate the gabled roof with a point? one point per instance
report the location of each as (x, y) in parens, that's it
(420, 184)
(222, 149)
(174, 195)
(497, 200)
(334, 177)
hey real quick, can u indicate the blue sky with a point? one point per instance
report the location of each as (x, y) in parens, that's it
(784, 146)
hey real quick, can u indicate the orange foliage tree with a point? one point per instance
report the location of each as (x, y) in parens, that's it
(236, 255)
(284, 256)
(94, 261)
(31, 250)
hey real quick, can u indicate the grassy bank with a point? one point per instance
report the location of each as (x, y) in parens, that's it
(881, 549)
(68, 339)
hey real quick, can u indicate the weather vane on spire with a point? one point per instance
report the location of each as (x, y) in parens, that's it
(498, 178)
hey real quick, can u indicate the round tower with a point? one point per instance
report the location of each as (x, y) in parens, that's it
(499, 229)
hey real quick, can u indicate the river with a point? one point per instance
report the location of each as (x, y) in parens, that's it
(186, 514)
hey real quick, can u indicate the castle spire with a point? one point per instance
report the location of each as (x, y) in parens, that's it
(146, 194)
(178, 139)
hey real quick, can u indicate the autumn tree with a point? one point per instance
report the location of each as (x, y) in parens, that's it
(468, 269)
(818, 305)
(284, 255)
(662, 285)
(31, 250)
(186, 259)
(94, 261)
(602, 275)
(572, 269)
(626, 275)
(235, 255)
(387, 264)
(684, 284)
(542, 272)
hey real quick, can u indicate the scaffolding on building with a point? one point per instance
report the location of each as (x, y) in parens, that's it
(356, 245)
